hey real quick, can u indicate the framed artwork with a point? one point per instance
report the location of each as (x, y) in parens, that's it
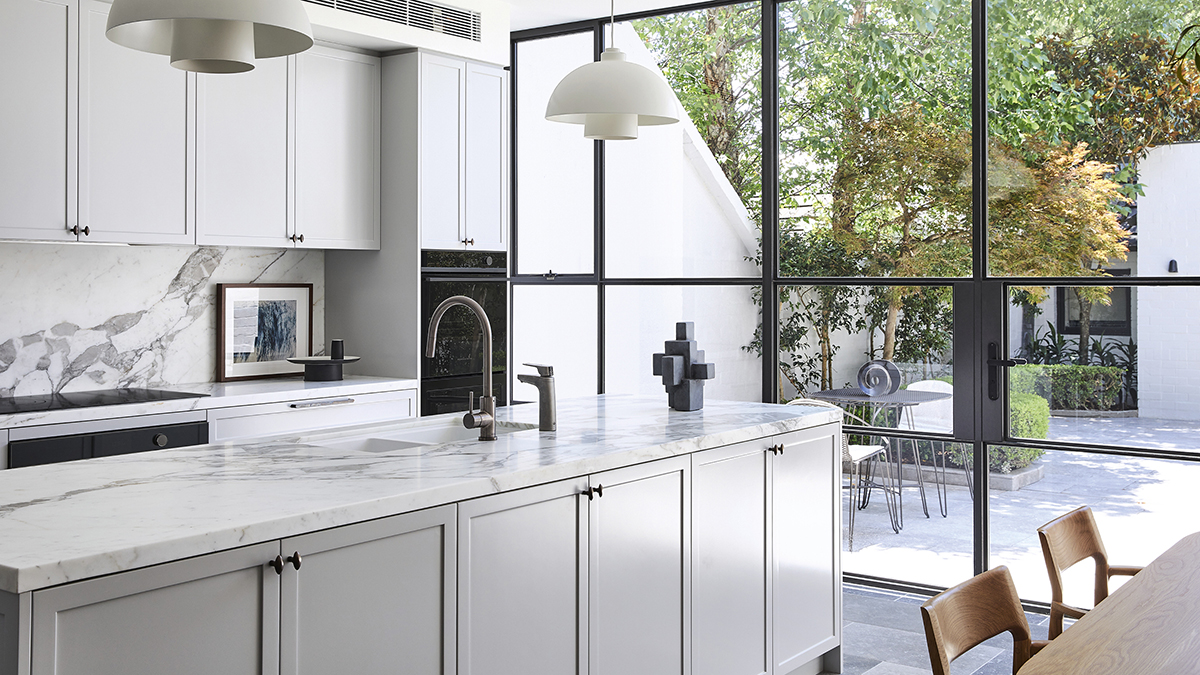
(260, 327)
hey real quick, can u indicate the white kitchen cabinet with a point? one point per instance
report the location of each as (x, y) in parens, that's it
(766, 514)
(38, 141)
(242, 153)
(135, 141)
(485, 202)
(462, 143)
(337, 121)
(218, 613)
(729, 560)
(441, 139)
(273, 419)
(371, 599)
(805, 508)
(639, 571)
(522, 583)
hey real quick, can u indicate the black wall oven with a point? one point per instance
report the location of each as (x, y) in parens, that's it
(457, 367)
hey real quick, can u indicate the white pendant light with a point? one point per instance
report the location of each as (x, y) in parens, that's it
(612, 97)
(211, 36)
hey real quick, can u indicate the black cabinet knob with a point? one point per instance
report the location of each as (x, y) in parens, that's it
(294, 559)
(277, 564)
(161, 440)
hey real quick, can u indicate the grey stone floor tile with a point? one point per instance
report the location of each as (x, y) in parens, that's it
(882, 611)
(857, 665)
(1001, 664)
(906, 648)
(887, 668)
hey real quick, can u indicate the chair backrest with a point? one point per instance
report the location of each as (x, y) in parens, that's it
(1068, 539)
(980, 608)
(934, 415)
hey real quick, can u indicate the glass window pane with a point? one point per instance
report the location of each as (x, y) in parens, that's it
(555, 163)
(1088, 166)
(875, 139)
(639, 319)
(1133, 384)
(556, 325)
(828, 334)
(1142, 507)
(684, 199)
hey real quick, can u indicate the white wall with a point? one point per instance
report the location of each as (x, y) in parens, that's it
(78, 317)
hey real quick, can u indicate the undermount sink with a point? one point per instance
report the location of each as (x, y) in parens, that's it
(422, 436)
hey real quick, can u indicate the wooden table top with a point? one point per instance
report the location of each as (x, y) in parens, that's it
(1151, 625)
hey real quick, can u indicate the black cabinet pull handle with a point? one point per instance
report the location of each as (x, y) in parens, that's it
(87, 231)
(74, 230)
(277, 564)
(294, 559)
(298, 237)
(775, 449)
(161, 440)
(597, 492)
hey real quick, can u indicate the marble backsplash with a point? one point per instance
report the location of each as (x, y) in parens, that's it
(83, 317)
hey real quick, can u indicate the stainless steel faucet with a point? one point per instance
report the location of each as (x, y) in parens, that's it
(485, 419)
(544, 381)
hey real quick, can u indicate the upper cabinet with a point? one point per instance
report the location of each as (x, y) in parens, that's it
(462, 142)
(37, 137)
(337, 150)
(242, 150)
(134, 141)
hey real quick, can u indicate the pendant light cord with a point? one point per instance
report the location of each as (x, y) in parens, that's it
(612, 23)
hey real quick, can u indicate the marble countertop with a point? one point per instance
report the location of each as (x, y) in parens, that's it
(73, 521)
(218, 395)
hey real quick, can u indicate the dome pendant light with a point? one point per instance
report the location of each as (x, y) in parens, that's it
(612, 97)
(211, 36)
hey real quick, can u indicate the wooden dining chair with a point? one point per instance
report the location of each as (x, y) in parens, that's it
(960, 618)
(1065, 541)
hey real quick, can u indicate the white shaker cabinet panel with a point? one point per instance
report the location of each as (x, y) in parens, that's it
(242, 157)
(639, 571)
(38, 143)
(522, 582)
(443, 92)
(217, 613)
(134, 143)
(486, 158)
(806, 541)
(375, 598)
(337, 150)
(729, 560)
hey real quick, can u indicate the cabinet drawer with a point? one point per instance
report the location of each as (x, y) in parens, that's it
(274, 419)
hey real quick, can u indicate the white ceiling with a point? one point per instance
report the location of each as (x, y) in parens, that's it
(537, 13)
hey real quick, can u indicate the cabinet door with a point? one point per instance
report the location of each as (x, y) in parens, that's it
(372, 598)
(242, 157)
(133, 141)
(522, 583)
(441, 144)
(486, 167)
(38, 123)
(213, 614)
(729, 560)
(337, 149)
(639, 570)
(806, 543)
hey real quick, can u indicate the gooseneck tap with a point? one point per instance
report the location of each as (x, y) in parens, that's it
(485, 419)
(544, 381)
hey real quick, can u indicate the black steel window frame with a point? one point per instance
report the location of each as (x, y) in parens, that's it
(980, 300)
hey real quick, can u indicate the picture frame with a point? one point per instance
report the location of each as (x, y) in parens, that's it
(259, 327)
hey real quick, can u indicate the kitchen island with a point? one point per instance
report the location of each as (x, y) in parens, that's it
(634, 539)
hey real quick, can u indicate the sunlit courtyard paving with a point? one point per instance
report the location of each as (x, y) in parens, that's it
(1142, 506)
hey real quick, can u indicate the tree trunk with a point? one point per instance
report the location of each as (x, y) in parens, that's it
(826, 358)
(1085, 326)
(720, 129)
(889, 328)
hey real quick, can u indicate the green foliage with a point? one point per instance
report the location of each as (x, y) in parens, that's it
(1006, 458)
(1069, 387)
(1028, 416)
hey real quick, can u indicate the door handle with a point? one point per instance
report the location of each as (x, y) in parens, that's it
(994, 364)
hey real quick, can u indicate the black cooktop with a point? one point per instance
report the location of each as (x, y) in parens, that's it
(88, 399)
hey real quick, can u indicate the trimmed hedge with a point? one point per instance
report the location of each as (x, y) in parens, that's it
(1028, 417)
(1070, 387)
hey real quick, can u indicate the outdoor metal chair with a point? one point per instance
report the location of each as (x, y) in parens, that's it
(937, 416)
(859, 458)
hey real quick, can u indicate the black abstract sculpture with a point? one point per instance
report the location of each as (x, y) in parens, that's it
(683, 370)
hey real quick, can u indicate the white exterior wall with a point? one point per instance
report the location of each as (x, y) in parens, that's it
(1167, 319)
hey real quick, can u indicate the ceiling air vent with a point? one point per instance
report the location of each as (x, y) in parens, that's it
(431, 16)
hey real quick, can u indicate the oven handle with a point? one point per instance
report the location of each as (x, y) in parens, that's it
(320, 404)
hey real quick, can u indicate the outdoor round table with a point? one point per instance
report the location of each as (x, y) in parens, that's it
(896, 401)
